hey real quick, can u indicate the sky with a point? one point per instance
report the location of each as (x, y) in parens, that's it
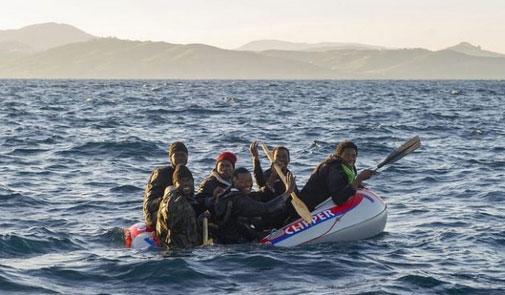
(431, 24)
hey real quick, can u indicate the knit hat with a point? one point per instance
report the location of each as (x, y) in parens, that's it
(181, 172)
(176, 147)
(229, 156)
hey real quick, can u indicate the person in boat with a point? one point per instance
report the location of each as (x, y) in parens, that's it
(236, 210)
(335, 178)
(160, 179)
(177, 223)
(268, 180)
(219, 180)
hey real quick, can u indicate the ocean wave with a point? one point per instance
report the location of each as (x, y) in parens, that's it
(117, 149)
(21, 245)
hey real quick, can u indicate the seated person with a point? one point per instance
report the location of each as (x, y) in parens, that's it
(160, 179)
(269, 180)
(235, 210)
(336, 177)
(177, 225)
(219, 180)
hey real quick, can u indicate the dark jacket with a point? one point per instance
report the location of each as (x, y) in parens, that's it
(234, 213)
(177, 225)
(206, 189)
(327, 180)
(159, 180)
(262, 177)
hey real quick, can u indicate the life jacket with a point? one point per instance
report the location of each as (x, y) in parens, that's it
(349, 173)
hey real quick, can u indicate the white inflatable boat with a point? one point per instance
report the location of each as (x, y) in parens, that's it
(363, 216)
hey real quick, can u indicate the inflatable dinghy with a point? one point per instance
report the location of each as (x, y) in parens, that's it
(363, 216)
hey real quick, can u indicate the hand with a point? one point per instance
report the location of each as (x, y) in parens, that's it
(366, 174)
(253, 149)
(290, 179)
(206, 214)
(363, 175)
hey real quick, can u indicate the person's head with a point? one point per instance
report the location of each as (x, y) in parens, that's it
(281, 156)
(242, 180)
(183, 180)
(347, 151)
(178, 153)
(225, 164)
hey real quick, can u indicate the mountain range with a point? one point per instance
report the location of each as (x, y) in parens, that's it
(53, 50)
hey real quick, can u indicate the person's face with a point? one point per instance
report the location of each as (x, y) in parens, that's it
(281, 157)
(185, 186)
(225, 169)
(243, 182)
(179, 158)
(349, 156)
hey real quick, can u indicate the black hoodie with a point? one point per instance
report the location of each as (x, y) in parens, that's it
(327, 180)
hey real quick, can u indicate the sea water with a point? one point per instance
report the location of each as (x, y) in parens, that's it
(75, 157)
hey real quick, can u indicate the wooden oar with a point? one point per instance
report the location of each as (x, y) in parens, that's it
(408, 147)
(206, 240)
(298, 204)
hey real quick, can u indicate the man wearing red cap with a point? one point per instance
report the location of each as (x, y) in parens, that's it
(160, 179)
(219, 180)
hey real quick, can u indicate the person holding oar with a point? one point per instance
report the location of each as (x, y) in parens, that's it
(335, 177)
(269, 180)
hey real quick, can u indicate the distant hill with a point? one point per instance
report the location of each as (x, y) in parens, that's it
(15, 47)
(82, 56)
(114, 58)
(446, 64)
(469, 49)
(45, 36)
(263, 45)
(352, 63)
(401, 63)
(10, 50)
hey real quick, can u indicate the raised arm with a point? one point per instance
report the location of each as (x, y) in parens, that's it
(259, 176)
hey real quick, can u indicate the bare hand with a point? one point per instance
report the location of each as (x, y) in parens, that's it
(290, 179)
(206, 214)
(253, 149)
(366, 174)
(363, 175)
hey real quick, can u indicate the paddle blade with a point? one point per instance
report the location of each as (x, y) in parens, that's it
(298, 204)
(405, 149)
(301, 208)
(267, 152)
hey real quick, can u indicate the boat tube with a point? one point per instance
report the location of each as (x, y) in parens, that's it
(141, 237)
(363, 216)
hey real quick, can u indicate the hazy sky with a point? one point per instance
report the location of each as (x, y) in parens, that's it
(432, 24)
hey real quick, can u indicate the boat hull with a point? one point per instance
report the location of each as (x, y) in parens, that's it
(363, 216)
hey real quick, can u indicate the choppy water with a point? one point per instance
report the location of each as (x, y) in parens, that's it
(75, 156)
